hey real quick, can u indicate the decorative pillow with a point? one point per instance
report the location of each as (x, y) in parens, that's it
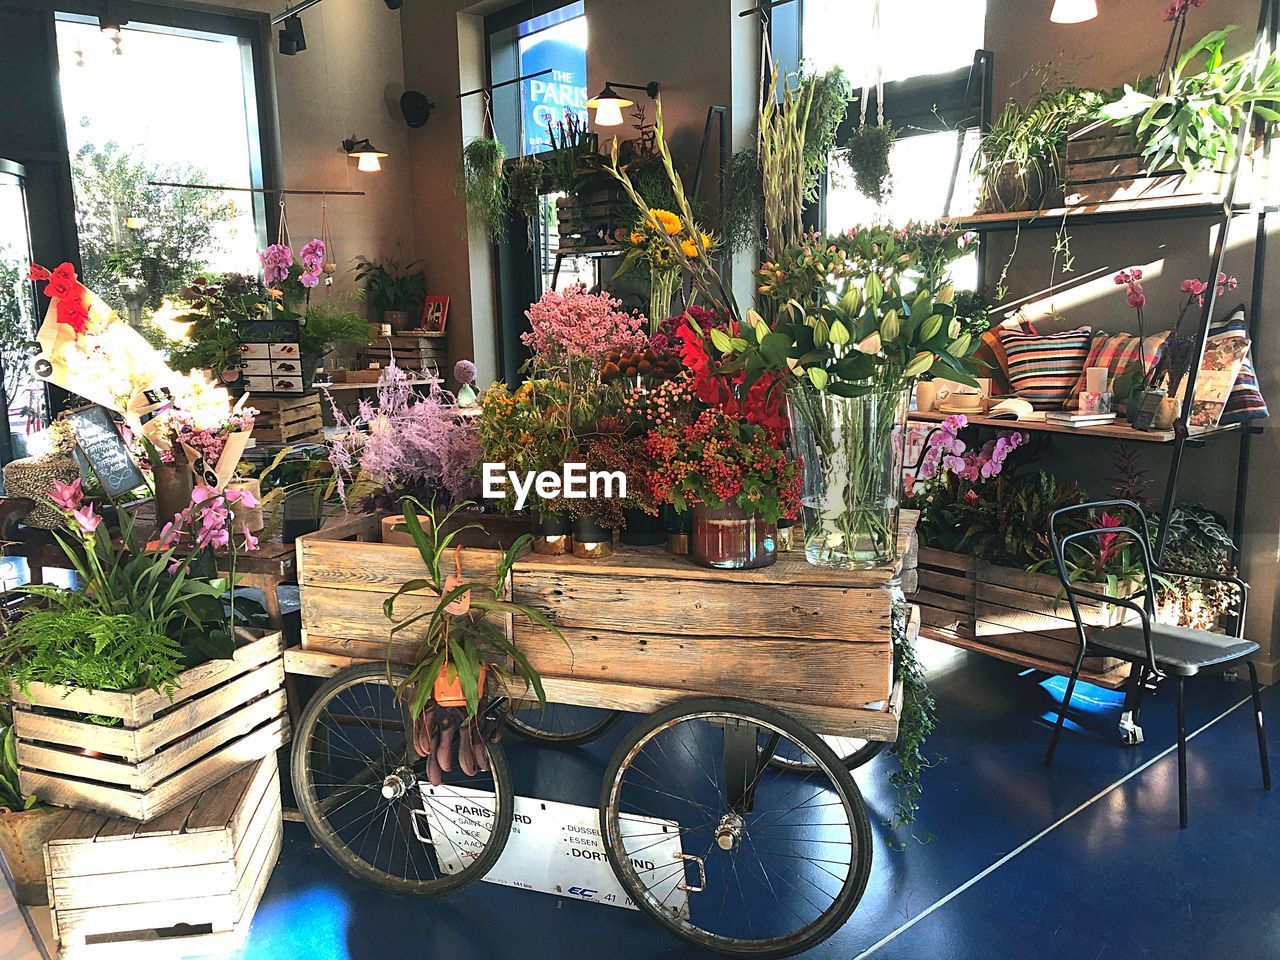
(991, 352)
(1044, 367)
(1117, 352)
(1245, 402)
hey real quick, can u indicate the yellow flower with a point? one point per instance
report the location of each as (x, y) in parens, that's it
(662, 255)
(707, 241)
(690, 249)
(670, 222)
(637, 238)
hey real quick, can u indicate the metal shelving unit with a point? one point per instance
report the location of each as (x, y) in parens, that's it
(1221, 208)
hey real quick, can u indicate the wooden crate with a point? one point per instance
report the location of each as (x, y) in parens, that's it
(1028, 613)
(1103, 165)
(418, 352)
(288, 419)
(948, 591)
(161, 751)
(644, 627)
(186, 884)
(593, 219)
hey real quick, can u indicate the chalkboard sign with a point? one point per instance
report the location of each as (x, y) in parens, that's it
(104, 450)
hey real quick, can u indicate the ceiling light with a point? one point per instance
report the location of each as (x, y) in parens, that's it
(367, 156)
(1073, 11)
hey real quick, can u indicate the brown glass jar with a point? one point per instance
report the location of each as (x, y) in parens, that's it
(729, 538)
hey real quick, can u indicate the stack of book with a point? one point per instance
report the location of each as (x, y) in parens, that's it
(1069, 418)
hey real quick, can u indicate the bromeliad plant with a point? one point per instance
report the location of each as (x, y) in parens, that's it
(462, 630)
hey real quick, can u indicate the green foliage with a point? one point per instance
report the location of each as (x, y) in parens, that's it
(830, 103)
(1019, 157)
(526, 177)
(572, 156)
(17, 324)
(178, 226)
(481, 184)
(11, 795)
(741, 203)
(462, 641)
(218, 307)
(390, 285)
(73, 642)
(867, 154)
(1194, 122)
(327, 324)
(915, 723)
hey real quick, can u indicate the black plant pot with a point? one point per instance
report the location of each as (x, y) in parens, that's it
(551, 533)
(303, 514)
(591, 539)
(679, 527)
(643, 529)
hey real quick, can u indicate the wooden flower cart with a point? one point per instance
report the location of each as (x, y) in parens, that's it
(747, 680)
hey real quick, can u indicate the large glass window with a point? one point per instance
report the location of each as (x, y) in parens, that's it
(922, 51)
(151, 119)
(22, 395)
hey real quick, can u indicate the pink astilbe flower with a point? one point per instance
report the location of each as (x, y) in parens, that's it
(411, 441)
(576, 324)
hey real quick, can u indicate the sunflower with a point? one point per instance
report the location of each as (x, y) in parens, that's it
(637, 238)
(662, 255)
(690, 249)
(670, 222)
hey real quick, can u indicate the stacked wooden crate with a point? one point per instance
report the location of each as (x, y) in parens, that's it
(154, 751)
(184, 884)
(418, 352)
(591, 220)
(288, 419)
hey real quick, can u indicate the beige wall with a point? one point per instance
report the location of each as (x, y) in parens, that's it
(346, 83)
(1125, 40)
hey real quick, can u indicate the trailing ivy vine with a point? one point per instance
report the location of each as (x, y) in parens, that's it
(915, 724)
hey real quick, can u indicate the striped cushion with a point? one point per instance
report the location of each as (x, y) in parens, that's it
(1245, 402)
(1119, 351)
(1044, 367)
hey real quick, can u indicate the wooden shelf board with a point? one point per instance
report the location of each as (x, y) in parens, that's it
(1159, 208)
(1111, 680)
(1113, 431)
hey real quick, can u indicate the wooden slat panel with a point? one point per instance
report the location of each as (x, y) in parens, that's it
(143, 886)
(867, 724)
(829, 672)
(946, 560)
(145, 853)
(946, 583)
(358, 614)
(75, 925)
(654, 605)
(209, 944)
(198, 712)
(214, 809)
(402, 651)
(210, 674)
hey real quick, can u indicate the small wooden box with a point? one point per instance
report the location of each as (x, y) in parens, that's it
(162, 752)
(288, 419)
(418, 352)
(186, 884)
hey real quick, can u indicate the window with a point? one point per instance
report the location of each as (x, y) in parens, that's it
(22, 396)
(526, 39)
(924, 50)
(129, 135)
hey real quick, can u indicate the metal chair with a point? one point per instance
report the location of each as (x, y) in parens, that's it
(1155, 649)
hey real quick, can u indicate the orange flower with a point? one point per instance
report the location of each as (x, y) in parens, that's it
(637, 238)
(690, 249)
(670, 222)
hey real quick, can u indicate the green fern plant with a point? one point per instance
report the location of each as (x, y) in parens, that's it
(481, 184)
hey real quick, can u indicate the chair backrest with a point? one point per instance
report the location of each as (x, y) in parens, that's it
(1061, 540)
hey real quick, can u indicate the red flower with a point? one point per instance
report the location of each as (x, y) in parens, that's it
(37, 272)
(62, 282)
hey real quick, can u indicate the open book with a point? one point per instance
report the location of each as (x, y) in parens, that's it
(1015, 408)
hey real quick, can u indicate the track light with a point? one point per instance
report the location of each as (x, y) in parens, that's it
(292, 39)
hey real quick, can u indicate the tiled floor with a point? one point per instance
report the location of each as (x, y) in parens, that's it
(1081, 861)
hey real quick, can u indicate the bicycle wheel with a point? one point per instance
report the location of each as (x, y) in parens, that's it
(364, 793)
(853, 751)
(559, 724)
(724, 849)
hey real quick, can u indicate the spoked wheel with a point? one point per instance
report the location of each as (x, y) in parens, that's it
(364, 792)
(559, 724)
(724, 848)
(853, 751)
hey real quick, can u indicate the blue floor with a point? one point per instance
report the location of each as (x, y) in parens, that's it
(1115, 879)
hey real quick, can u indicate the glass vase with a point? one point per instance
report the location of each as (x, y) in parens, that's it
(851, 452)
(729, 538)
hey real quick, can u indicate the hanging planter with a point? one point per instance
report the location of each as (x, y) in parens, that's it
(867, 154)
(447, 689)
